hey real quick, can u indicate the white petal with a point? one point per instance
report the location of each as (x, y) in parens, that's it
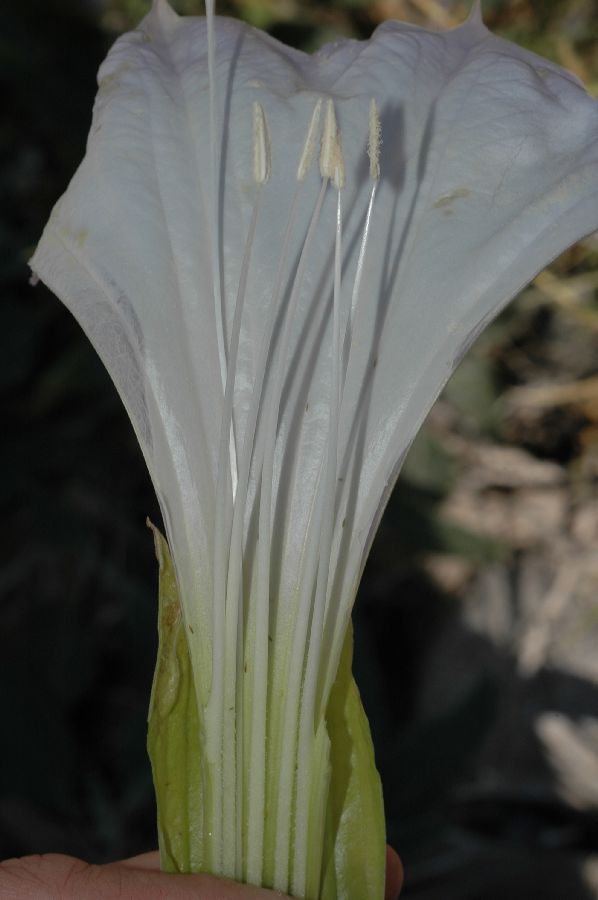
(489, 170)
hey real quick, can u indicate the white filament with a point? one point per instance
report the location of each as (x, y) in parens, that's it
(214, 737)
(233, 606)
(356, 293)
(225, 615)
(324, 544)
(286, 753)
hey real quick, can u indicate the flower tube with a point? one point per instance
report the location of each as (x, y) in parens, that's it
(280, 259)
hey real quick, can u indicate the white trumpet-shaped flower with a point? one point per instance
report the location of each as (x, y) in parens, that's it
(280, 259)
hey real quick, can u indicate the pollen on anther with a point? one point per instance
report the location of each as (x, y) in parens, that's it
(332, 164)
(309, 148)
(261, 145)
(374, 140)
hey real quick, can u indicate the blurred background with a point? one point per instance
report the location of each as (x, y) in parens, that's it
(477, 621)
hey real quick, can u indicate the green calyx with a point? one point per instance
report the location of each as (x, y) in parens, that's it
(346, 841)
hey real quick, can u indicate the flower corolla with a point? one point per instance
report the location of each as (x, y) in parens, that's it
(280, 259)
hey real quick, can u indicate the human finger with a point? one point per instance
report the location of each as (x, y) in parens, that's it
(49, 876)
(394, 875)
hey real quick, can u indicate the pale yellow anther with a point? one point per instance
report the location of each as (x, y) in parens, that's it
(374, 140)
(332, 164)
(261, 145)
(309, 148)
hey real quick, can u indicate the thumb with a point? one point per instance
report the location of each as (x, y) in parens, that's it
(139, 878)
(142, 874)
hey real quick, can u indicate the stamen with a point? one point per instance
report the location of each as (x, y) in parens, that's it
(214, 735)
(309, 148)
(259, 672)
(331, 155)
(233, 601)
(225, 605)
(374, 141)
(214, 225)
(261, 146)
(284, 788)
(324, 534)
(234, 688)
(332, 624)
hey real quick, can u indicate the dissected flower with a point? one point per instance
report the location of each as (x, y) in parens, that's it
(281, 258)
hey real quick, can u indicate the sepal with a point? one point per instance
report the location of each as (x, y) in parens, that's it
(174, 734)
(355, 835)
